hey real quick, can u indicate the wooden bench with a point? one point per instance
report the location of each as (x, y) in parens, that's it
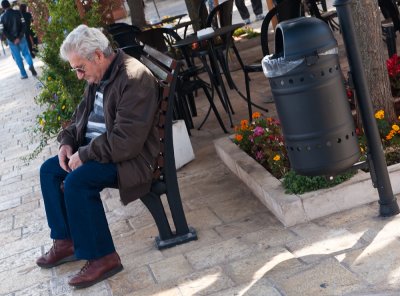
(166, 70)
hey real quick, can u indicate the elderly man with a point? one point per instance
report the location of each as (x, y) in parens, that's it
(111, 142)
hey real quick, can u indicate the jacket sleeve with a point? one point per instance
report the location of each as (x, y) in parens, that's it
(134, 114)
(68, 136)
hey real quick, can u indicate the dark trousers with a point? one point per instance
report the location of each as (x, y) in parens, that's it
(78, 213)
(244, 12)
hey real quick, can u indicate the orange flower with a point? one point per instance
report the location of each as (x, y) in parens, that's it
(239, 138)
(256, 115)
(244, 123)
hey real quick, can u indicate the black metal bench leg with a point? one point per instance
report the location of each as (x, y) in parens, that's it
(154, 204)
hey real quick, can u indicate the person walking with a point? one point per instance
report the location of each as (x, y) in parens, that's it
(13, 25)
(29, 34)
(112, 141)
(244, 12)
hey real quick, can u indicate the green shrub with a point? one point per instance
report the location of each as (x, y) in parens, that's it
(247, 31)
(61, 90)
(297, 184)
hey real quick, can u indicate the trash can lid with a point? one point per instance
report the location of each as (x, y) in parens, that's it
(302, 36)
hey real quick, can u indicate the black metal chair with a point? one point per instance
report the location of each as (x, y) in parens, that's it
(284, 10)
(189, 83)
(328, 16)
(134, 50)
(125, 35)
(219, 17)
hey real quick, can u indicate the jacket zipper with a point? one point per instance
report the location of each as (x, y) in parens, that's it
(147, 162)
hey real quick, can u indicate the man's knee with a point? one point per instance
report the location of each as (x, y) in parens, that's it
(49, 166)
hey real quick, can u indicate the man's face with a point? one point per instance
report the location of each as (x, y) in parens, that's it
(89, 69)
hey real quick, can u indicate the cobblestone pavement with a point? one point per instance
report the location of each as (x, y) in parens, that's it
(242, 248)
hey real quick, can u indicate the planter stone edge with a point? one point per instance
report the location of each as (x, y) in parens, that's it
(291, 209)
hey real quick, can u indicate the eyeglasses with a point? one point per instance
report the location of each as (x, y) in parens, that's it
(80, 69)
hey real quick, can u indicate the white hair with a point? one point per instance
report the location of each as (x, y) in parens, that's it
(84, 41)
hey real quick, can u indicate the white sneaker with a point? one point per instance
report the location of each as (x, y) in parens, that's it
(259, 17)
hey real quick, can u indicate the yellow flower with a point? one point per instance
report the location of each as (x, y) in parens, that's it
(395, 127)
(58, 118)
(63, 107)
(49, 78)
(256, 115)
(380, 114)
(239, 138)
(277, 157)
(41, 122)
(362, 149)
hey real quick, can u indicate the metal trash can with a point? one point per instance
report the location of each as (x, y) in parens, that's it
(310, 97)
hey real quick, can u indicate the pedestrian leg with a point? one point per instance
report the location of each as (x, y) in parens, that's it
(243, 11)
(15, 51)
(27, 56)
(257, 9)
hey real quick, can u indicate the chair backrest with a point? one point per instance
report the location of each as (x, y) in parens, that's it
(135, 50)
(166, 70)
(126, 38)
(221, 15)
(154, 38)
(122, 27)
(284, 10)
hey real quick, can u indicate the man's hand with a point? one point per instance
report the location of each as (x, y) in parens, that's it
(74, 161)
(64, 155)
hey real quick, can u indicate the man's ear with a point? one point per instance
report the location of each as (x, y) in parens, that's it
(99, 56)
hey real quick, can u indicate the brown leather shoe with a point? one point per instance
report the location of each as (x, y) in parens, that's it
(97, 270)
(61, 252)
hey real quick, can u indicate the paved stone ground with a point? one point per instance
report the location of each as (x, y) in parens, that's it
(242, 249)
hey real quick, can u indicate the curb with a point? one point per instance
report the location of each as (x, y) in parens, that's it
(291, 209)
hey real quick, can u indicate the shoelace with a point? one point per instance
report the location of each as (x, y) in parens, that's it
(85, 267)
(53, 248)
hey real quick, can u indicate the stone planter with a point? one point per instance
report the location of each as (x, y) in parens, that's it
(293, 209)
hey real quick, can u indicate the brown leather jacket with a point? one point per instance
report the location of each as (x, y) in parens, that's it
(131, 141)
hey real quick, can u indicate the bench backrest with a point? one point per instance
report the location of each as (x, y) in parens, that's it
(166, 70)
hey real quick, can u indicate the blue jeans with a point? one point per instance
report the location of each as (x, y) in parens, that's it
(78, 213)
(16, 51)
